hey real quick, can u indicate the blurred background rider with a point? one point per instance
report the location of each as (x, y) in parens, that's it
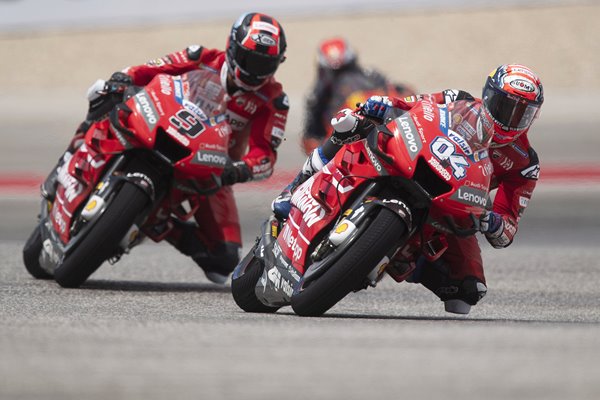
(340, 82)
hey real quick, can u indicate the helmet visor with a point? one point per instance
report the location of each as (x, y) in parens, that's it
(509, 111)
(255, 67)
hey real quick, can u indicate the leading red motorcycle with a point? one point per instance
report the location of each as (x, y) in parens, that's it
(156, 155)
(377, 206)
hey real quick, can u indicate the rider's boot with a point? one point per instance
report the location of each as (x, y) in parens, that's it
(217, 263)
(458, 295)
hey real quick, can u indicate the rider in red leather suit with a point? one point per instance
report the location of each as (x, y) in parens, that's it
(239, 82)
(511, 101)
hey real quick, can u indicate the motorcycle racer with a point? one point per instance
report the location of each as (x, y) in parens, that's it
(339, 78)
(239, 82)
(511, 100)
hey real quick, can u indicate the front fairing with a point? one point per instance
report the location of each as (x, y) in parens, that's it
(442, 148)
(167, 117)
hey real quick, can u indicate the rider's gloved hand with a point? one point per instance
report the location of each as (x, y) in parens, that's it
(348, 127)
(491, 224)
(104, 95)
(376, 106)
(118, 82)
(235, 172)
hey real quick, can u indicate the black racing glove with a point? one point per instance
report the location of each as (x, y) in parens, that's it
(102, 100)
(235, 172)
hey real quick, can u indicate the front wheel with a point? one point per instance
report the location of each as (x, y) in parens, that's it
(350, 271)
(31, 255)
(243, 289)
(103, 239)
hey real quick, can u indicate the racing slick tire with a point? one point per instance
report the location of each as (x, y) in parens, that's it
(348, 273)
(103, 239)
(31, 255)
(243, 289)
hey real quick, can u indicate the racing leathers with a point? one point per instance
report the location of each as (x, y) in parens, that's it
(457, 277)
(257, 121)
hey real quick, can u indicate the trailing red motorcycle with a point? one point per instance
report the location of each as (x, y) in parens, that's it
(156, 155)
(377, 206)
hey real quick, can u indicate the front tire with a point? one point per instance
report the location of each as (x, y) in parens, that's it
(31, 255)
(349, 272)
(104, 237)
(243, 289)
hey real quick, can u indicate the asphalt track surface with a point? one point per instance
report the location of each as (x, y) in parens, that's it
(152, 327)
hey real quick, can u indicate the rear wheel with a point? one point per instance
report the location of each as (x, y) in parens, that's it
(103, 239)
(31, 255)
(243, 289)
(350, 271)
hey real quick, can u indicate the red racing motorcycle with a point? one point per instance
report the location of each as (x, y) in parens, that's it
(156, 155)
(377, 206)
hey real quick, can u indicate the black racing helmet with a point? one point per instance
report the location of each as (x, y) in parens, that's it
(255, 48)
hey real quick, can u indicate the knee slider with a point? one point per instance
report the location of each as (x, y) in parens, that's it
(472, 290)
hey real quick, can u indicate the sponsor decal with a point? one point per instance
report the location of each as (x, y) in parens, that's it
(72, 186)
(195, 109)
(158, 62)
(250, 107)
(165, 85)
(177, 136)
(487, 169)
(450, 95)
(506, 163)
(444, 120)
(521, 84)
(263, 39)
(375, 161)
(146, 107)
(59, 220)
(277, 135)
(236, 121)
(211, 158)
(312, 212)
(280, 283)
(481, 155)
(143, 180)
(532, 172)
(178, 86)
(471, 196)
(438, 167)
(265, 26)
(292, 243)
(277, 132)
(461, 142)
(519, 150)
(411, 140)
(428, 111)
(477, 185)
(523, 201)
